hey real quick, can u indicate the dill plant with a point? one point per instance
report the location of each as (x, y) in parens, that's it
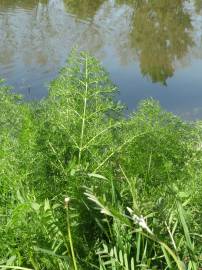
(78, 139)
(79, 121)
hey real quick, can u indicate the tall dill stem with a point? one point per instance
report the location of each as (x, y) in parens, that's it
(84, 108)
(70, 237)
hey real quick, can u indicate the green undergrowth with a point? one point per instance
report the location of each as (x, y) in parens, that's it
(83, 187)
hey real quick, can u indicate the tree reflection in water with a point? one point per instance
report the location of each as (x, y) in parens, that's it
(160, 33)
(198, 6)
(83, 9)
(157, 33)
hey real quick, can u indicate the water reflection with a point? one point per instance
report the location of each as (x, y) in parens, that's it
(160, 33)
(83, 9)
(157, 32)
(5, 4)
(198, 6)
(158, 37)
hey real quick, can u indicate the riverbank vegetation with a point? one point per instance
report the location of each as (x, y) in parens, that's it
(84, 187)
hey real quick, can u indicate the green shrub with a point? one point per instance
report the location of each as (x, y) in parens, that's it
(78, 139)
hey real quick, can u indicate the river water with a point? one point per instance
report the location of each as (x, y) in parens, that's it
(150, 48)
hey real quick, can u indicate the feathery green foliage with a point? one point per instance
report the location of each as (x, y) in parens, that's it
(143, 173)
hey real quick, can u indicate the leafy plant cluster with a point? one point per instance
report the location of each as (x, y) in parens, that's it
(84, 187)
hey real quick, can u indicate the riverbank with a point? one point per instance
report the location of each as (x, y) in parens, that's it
(84, 188)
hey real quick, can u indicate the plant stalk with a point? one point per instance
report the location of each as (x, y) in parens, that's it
(70, 239)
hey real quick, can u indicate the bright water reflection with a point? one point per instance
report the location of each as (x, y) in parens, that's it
(151, 48)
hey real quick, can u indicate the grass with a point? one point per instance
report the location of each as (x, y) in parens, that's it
(82, 187)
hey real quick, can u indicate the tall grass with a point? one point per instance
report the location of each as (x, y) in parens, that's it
(143, 173)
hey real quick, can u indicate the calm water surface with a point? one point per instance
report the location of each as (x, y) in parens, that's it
(151, 48)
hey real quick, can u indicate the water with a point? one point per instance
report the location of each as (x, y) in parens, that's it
(151, 48)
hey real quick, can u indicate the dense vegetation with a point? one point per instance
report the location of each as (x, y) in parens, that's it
(83, 187)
